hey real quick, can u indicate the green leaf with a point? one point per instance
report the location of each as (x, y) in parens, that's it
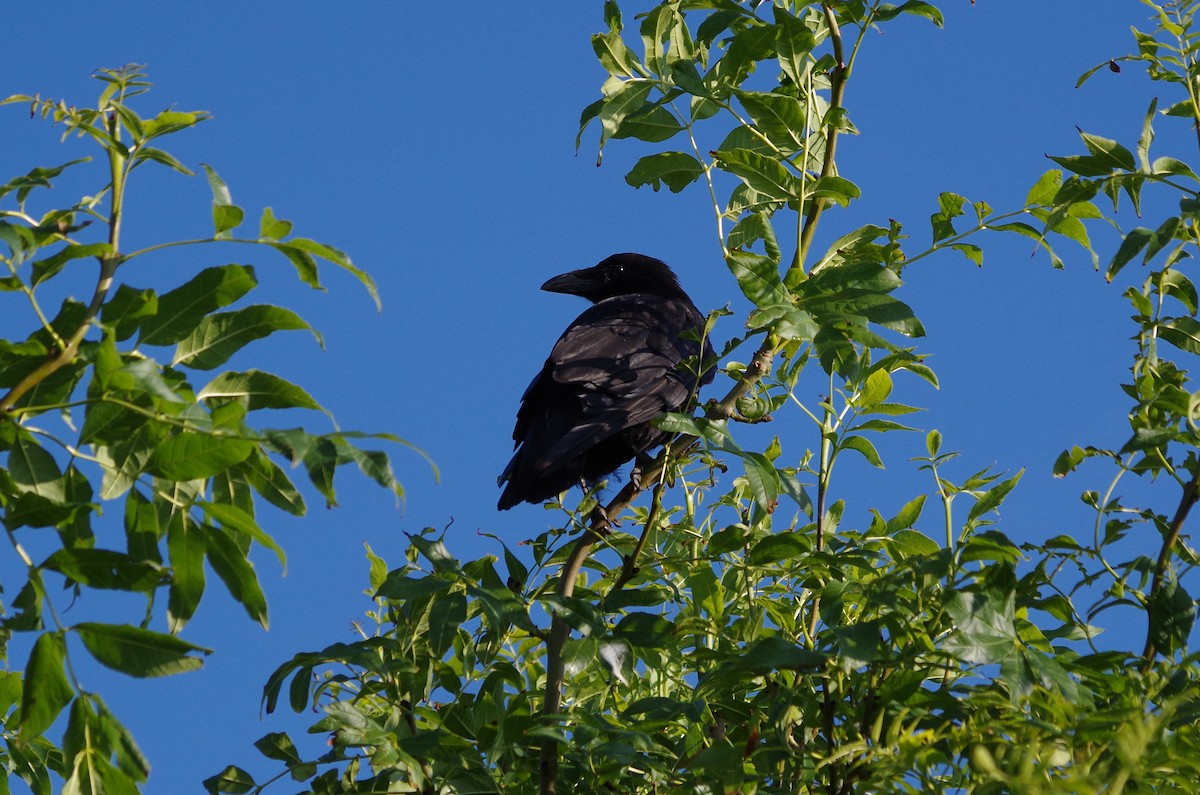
(272, 228)
(950, 207)
(1137, 239)
(885, 310)
(180, 310)
(1182, 332)
(907, 516)
(776, 653)
(1175, 284)
(230, 780)
(763, 479)
(933, 442)
(1109, 152)
(970, 251)
(916, 7)
(446, 615)
(882, 426)
(991, 499)
(304, 263)
(645, 630)
(172, 121)
(236, 520)
(186, 548)
(676, 169)
(793, 43)
(1172, 167)
(143, 530)
(779, 547)
(191, 456)
(47, 268)
(46, 690)
(278, 746)
(627, 98)
(107, 569)
(1043, 191)
(271, 482)
(778, 116)
(913, 544)
(153, 155)
(226, 215)
(753, 43)
(653, 124)
(35, 471)
(837, 189)
(857, 644)
(758, 276)
(858, 276)
(877, 388)
(1161, 238)
(762, 173)
(401, 587)
(236, 571)
(785, 320)
(984, 631)
(991, 545)
(125, 311)
(862, 445)
(752, 228)
(260, 391)
(219, 336)
(1171, 612)
(1084, 165)
(123, 460)
(334, 256)
(835, 352)
(38, 177)
(139, 652)
(613, 55)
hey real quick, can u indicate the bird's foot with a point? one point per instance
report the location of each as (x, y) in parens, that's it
(601, 523)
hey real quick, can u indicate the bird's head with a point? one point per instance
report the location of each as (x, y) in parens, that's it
(620, 274)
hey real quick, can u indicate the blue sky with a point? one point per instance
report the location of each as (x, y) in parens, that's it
(436, 145)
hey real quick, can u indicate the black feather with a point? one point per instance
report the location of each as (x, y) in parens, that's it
(613, 371)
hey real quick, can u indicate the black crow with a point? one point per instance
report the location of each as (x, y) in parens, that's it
(613, 370)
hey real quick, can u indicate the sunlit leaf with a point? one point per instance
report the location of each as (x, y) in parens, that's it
(218, 336)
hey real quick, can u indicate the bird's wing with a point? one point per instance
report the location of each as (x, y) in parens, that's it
(587, 411)
(619, 362)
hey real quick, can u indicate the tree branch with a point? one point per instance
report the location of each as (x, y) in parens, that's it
(599, 524)
(1191, 493)
(108, 268)
(837, 82)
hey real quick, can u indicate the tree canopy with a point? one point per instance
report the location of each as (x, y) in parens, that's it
(742, 617)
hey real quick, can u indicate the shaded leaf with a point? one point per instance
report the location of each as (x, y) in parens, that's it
(676, 169)
(191, 456)
(236, 571)
(46, 690)
(139, 652)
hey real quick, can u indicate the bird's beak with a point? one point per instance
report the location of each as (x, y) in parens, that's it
(580, 282)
